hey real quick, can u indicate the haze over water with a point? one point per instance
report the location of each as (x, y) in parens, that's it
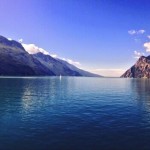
(74, 113)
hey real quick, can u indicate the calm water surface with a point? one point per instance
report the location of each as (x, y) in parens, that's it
(74, 113)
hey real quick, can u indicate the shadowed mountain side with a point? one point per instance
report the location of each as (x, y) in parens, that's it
(82, 72)
(16, 61)
(56, 66)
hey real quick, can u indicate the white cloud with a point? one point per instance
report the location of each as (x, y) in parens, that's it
(141, 32)
(138, 54)
(20, 40)
(109, 72)
(148, 36)
(54, 55)
(132, 32)
(135, 32)
(33, 49)
(76, 63)
(10, 39)
(147, 46)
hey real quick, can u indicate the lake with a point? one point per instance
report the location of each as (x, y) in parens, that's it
(74, 113)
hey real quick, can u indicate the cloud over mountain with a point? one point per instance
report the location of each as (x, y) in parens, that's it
(33, 49)
(138, 54)
(147, 46)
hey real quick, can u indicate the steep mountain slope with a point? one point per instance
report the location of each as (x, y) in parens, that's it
(80, 71)
(62, 67)
(56, 66)
(16, 61)
(140, 70)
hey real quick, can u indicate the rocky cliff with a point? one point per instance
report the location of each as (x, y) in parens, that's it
(140, 70)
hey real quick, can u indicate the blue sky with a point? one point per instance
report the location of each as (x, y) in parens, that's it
(105, 36)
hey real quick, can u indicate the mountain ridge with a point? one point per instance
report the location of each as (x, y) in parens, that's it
(16, 61)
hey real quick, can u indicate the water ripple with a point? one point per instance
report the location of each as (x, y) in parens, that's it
(74, 113)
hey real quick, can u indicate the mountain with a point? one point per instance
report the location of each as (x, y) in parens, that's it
(80, 71)
(62, 67)
(140, 70)
(56, 66)
(15, 60)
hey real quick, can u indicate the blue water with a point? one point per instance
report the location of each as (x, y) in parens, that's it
(74, 113)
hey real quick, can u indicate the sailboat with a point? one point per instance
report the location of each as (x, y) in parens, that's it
(60, 77)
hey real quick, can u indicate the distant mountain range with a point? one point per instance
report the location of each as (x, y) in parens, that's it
(16, 61)
(140, 70)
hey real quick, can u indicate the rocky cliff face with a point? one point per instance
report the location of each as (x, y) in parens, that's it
(140, 70)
